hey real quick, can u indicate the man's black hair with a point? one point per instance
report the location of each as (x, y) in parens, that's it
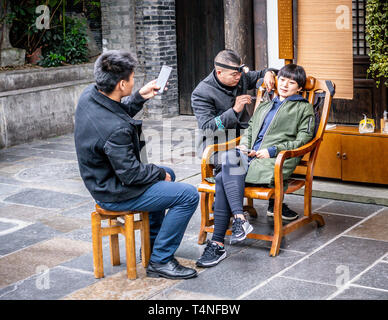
(294, 72)
(111, 67)
(228, 56)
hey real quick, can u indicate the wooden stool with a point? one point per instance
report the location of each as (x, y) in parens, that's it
(128, 230)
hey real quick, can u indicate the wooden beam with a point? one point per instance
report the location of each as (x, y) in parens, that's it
(285, 25)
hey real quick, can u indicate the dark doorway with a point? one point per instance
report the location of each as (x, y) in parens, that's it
(200, 36)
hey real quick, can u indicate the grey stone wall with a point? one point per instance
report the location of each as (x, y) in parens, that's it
(148, 29)
(40, 103)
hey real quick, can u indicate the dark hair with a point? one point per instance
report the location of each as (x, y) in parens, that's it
(294, 72)
(228, 56)
(111, 67)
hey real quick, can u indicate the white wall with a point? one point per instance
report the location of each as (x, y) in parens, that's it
(273, 35)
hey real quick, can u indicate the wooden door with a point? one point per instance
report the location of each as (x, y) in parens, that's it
(364, 159)
(200, 36)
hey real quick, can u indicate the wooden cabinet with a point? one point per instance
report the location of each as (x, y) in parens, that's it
(350, 156)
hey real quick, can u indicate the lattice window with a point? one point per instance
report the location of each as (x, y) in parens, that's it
(360, 46)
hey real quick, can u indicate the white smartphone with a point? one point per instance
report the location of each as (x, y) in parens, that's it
(163, 77)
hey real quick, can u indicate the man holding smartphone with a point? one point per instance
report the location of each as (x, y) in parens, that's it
(219, 101)
(111, 158)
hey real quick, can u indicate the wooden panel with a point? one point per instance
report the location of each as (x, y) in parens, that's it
(324, 47)
(200, 36)
(327, 165)
(366, 159)
(286, 43)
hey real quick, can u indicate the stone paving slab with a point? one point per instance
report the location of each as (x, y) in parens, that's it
(311, 237)
(350, 208)
(240, 272)
(7, 190)
(22, 212)
(176, 294)
(374, 228)
(81, 212)
(53, 284)
(27, 236)
(57, 146)
(119, 287)
(63, 224)
(352, 254)
(47, 199)
(24, 263)
(357, 293)
(376, 277)
(283, 288)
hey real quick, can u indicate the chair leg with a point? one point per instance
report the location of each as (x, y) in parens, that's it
(211, 202)
(97, 246)
(205, 203)
(145, 239)
(319, 219)
(278, 227)
(250, 209)
(114, 245)
(130, 246)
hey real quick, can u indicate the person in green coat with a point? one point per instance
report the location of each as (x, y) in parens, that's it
(287, 122)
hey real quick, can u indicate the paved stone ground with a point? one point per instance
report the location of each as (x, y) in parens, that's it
(46, 250)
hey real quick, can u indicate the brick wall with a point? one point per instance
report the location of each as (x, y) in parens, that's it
(147, 28)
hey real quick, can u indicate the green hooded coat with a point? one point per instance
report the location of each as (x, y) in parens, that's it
(291, 128)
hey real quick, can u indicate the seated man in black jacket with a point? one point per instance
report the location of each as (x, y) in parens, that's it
(110, 153)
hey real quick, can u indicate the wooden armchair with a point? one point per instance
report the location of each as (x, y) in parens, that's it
(313, 89)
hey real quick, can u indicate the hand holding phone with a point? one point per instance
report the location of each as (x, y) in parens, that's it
(163, 77)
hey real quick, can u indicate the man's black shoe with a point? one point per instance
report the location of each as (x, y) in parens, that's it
(170, 270)
(287, 213)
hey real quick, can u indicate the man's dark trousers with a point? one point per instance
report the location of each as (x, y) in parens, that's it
(166, 231)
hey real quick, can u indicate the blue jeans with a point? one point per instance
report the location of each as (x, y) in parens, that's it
(166, 230)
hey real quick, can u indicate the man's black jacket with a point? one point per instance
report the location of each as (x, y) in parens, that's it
(212, 105)
(108, 144)
(210, 100)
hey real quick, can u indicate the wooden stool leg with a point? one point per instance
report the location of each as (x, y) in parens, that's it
(145, 239)
(114, 245)
(97, 246)
(130, 246)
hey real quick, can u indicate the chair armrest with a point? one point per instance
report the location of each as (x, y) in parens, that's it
(308, 147)
(206, 167)
(285, 154)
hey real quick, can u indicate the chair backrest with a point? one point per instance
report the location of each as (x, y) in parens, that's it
(318, 92)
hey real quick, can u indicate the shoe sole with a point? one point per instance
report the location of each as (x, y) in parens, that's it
(250, 229)
(211, 264)
(153, 274)
(271, 214)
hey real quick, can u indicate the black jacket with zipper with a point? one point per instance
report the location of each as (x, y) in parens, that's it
(109, 147)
